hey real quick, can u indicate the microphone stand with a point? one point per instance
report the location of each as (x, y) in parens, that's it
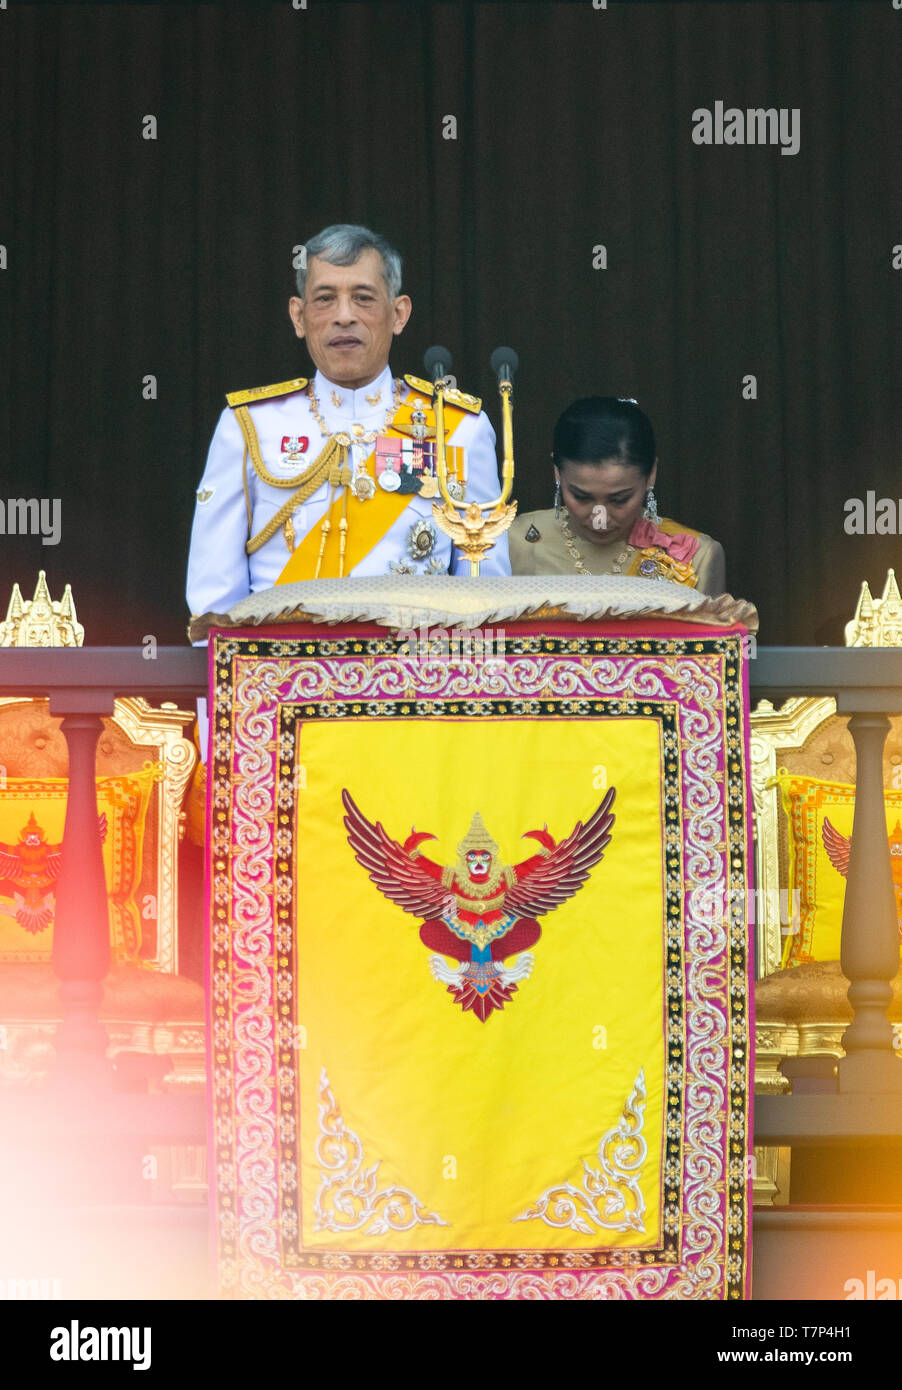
(474, 527)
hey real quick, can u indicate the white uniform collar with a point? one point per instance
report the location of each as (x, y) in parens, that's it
(340, 403)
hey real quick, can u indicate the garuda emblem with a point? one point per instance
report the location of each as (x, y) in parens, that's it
(28, 873)
(477, 911)
(839, 847)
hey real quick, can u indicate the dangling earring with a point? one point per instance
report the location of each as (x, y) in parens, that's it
(557, 499)
(651, 507)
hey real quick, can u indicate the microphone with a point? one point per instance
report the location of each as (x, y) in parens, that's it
(437, 361)
(504, 363)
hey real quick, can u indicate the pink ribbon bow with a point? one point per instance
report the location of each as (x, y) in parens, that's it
(680, 547)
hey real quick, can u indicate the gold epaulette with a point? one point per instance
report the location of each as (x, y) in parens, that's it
(266, 393)
(452, 395)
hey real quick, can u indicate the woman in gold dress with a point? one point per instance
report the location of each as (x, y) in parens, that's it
(605, 518)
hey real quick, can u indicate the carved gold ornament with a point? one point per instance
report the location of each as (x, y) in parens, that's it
(472, 532)
(877, 621)
(41, 621)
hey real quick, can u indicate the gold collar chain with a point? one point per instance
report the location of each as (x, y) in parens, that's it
(616, 567)
(353, 436)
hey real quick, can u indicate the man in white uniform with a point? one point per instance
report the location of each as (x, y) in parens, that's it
(336, 476)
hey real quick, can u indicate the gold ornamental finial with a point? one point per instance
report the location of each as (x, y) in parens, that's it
(877, 621)
(891, 589)
(16, 607)
(41, 621)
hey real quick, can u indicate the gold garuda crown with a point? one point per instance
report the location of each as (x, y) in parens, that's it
(477, 837)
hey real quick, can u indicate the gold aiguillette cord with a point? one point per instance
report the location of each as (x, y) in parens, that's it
(325, 528)
(339, 477)
(343, 528)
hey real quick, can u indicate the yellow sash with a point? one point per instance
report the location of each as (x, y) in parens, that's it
(366, 522)
(677, 571)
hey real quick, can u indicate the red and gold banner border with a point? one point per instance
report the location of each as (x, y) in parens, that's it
(263, 685)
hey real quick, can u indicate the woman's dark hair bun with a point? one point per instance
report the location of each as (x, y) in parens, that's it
(605, 427)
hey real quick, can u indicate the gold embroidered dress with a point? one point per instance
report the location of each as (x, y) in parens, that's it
(660, 550)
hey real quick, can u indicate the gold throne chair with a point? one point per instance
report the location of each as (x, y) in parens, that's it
(153, 1014)
(801, 1004)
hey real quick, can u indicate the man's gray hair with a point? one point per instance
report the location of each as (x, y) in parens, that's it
(344, 244)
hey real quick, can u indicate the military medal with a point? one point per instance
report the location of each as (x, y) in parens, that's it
(363, 487)
(415, 457)
(421, 540)
(388, 463)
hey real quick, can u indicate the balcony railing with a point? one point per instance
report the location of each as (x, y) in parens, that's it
(81, 685)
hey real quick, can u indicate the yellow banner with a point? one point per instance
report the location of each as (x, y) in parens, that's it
(820, 816)
(32, 820)
(481, 1129)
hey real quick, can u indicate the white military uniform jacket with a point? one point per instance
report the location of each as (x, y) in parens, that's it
(220, 572)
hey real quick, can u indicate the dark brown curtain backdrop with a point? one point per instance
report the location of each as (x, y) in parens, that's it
(128, 258)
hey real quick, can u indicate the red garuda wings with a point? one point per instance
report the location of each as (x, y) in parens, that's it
(839, 847)
(479, 912)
